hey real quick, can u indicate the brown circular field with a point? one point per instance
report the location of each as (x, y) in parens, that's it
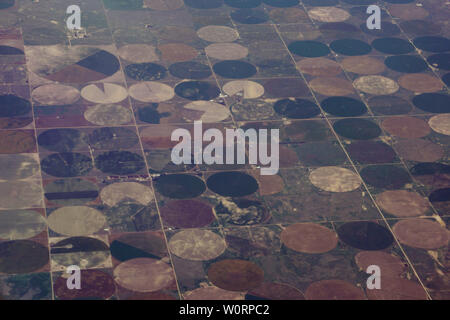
(390, 266)
(144, 275)
(187, 214)
(177, 52)
(421, 233)
(94, 284)
(363, 65)
(319, 67)
(406, 127)
(402, 203)
(235, 275)
(330, 86)
(420, 83)
(419, 150)
(309, 238)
